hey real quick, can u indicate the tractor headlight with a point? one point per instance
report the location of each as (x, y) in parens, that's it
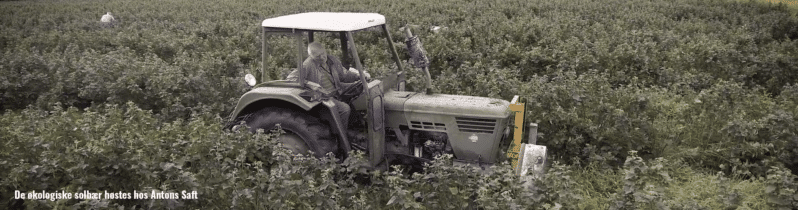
(250, 80)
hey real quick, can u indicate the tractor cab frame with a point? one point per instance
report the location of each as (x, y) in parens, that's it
(343, 25)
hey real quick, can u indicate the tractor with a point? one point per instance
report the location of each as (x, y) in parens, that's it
(389, 124)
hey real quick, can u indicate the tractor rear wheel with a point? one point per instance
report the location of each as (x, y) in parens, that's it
(304, 132)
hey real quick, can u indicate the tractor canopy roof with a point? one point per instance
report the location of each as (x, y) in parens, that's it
(326, 21)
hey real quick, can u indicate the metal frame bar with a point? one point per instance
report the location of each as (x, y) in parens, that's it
(358, 65)
(264, 48)
(346, 59)
(401, 74)
(299, 54)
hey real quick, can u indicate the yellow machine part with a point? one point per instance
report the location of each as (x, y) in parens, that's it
(518, 109)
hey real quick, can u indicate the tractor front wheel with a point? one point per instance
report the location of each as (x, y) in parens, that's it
(304, 133)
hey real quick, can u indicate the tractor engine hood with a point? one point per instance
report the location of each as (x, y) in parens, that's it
(457, 105)
(474, 125)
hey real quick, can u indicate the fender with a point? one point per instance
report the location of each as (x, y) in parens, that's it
(286, 92)
(282, 93)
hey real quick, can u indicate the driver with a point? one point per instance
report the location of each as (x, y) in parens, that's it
(323, 72)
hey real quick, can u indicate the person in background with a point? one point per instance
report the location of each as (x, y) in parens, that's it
(107, 20)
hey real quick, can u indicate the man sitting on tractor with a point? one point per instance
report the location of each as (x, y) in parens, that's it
(325, 73)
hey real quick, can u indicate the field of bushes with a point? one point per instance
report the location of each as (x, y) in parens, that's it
(643, 104)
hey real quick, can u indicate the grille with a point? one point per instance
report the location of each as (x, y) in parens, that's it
(428, 125)
(475, 125)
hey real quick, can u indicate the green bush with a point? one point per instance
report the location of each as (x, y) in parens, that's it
(135, 106)
(114, 149)
(659, 43)
(125, 149)
(782, 187)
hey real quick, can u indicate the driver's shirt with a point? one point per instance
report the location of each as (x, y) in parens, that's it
(326, 77)
(319, 73)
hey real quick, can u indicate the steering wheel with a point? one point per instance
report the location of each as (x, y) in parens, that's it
(354, 90)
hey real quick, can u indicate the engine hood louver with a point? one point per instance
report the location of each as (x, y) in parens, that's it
(427, 125)
(475, 125)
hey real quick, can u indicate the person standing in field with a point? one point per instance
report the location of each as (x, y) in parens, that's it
(107, 19)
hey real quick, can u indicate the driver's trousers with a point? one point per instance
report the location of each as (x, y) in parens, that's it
(343, 112)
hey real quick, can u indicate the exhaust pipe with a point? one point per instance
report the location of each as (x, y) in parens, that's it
(532, 131)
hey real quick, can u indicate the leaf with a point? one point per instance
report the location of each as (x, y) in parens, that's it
(454, 190)
(665, 175)
(557, 206)
(393, 199)
(770, 188)
(166, 166)
(431, 195)
(776, 200)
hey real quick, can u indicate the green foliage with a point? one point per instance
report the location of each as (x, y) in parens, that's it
(498, 188)
(782, 189)
(691, 85)
(643, 184)
(213, 45)
(556, 188)
(125, 149)
(112, 148)
(666, 184)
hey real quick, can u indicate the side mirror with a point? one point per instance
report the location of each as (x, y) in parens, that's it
(250, 80)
